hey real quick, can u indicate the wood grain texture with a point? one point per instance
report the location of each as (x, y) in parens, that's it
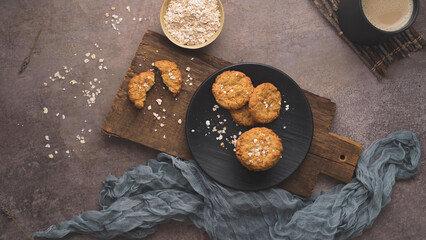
(329, 154)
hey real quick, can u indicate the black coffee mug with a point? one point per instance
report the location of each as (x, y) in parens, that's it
(358, 29)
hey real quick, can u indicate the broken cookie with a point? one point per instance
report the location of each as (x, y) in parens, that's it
(171, 75)
(138, 86)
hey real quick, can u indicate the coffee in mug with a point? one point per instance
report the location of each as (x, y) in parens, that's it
(388, 15)
(375, 21)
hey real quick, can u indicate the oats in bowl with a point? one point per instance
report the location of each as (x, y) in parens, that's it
(192, 22)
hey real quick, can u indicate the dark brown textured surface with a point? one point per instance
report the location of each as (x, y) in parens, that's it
(337, 155)
(40, 191)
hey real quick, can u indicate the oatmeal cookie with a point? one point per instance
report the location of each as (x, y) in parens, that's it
(138, 86)
(265, 103)
(171, 75)
(259, 149)
(242, 116)
(232, 89)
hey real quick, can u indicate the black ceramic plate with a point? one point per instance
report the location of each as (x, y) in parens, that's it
(294, 126)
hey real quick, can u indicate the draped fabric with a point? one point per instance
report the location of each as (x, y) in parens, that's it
(171, 189)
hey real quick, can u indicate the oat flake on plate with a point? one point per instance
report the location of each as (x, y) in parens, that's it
(192, 22)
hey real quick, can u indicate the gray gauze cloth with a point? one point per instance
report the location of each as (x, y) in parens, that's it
(171, 189)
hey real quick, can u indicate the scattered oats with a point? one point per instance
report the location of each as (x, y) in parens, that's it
(106, 22)
(72, 82)
(112, 8)
(96, 45)
(45, 84)
(155, 130)
(215, 107)
(207, 123)
(105, 67)
(63, 116)
(164, 110)
(161, 124)
(192, 59)
(190, 84)
(134, 19)
(149, 107)
(152, 64)
(57, 114)
(56, 152)
(90, 130)
(93, 56)
(220, 137)
(156, 51)
(86, 60)
(218, 116)
(47, 146)
(63, 89)
(45, 110)
(100, 67)
(164, 136)
(106, 14)
(47, 138)
(82, 141)
(188, 69)
(159, 101)
(101, 60)
(284, 127)
(180, 121)
(67, 151)
(266, 104)
(140, 19)
(50, 155)
(87, 54)
(128, 8)
(192, 130)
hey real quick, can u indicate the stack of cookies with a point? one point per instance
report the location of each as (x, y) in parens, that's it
(258, 149)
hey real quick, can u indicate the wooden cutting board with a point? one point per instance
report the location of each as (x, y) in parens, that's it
(329, 154)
